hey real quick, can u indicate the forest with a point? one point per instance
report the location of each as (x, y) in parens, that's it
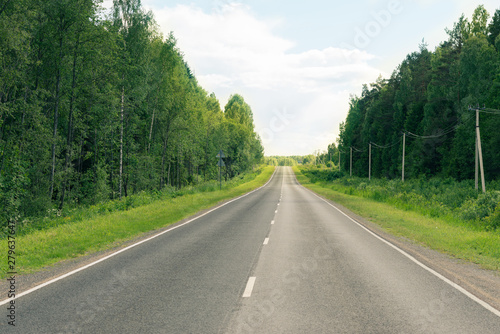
(430, 101)
(97, 104)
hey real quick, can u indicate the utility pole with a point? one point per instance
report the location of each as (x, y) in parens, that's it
(339, 161)
(351, 162)
(370, 162)
(479, 154)
(476, 171)
(221, 164)
(404, 148)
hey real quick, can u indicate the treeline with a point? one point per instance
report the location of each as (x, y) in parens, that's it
(428, 97)
(282, 161)
(96, 105)
(328, 158)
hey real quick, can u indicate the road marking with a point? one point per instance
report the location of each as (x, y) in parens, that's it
(38, 287)
(249, 288)
(272, 222)
(276, 211)
(414, 260)
(266, 241)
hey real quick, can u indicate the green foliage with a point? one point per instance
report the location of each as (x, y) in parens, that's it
(98, 105)
(100, 207)
(435, 197)
(494, 29)
(103, 227)
(433, 228)
(12, 184)
(481, 207)
(493, 220)
(283, 161)
(238, 110)
(427, 97)
(321, 174)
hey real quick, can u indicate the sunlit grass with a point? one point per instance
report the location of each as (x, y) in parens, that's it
(459, 240)
(42, 248)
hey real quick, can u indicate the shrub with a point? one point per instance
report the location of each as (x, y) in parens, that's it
(493, 221)
(483, 206)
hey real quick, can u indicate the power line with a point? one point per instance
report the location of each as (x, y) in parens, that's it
(490, 111)
(385, 146)
(358, 150)
(485, 110)
(445, 132)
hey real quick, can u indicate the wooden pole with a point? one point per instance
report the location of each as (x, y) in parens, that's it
(351, 163)
(477, 166)
(404, 149)
(370, 162)
(479, 150)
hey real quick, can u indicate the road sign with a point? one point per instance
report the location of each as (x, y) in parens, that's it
(220, 163)
(221, 154)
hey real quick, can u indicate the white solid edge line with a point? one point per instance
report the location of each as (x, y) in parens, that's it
(432, 271)
(24, 293)
(249, 287)
(266, 241)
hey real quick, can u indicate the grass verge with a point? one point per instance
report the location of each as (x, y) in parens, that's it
(46, 247)
(460, 241)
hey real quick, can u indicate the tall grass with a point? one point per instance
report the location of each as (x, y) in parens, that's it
(110, 224)
(448, 216)
(55, 217)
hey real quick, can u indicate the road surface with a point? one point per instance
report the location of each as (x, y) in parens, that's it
(279, 260)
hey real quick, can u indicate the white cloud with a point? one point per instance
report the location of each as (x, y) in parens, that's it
(231, 51)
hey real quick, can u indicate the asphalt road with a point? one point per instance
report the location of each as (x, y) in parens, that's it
(313, 270)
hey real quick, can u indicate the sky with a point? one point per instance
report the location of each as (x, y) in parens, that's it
(298, 63)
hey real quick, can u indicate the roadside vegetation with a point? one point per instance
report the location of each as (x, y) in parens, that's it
(443, 214)
(97, 105)
(424, 112)
(81, 231)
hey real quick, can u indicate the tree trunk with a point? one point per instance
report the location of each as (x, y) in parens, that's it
(168, 175)
(163, 158)
(111, 163)
(81, 155)
(56, 119)
(179, 167)
(69, 137)
(152, 121)
(122, 109)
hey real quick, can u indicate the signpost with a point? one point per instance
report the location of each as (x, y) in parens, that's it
(220, 163)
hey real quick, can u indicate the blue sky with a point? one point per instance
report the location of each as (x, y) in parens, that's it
(297, 62)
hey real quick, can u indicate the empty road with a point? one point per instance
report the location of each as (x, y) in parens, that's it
(278, 260)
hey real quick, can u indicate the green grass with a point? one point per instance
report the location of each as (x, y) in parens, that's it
(444, 234)
(45, 247)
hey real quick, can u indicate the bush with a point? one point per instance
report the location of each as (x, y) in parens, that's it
(54, 217)
(481, 207)
(493, 221)
(362, 186)
(456, 201)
